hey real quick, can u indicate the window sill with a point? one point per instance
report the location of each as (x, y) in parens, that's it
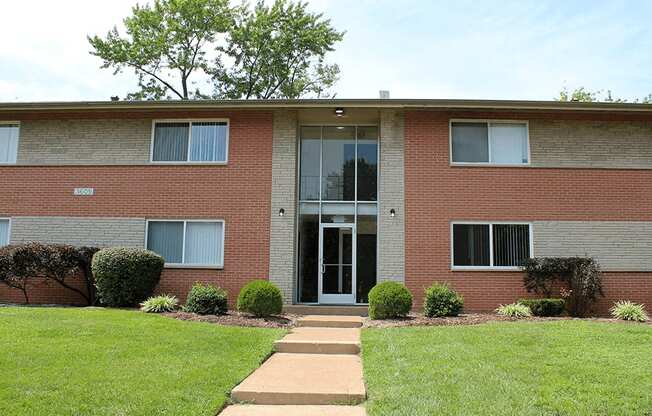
(193, 266)
(484, 269)
(490, 165)
(161, 163)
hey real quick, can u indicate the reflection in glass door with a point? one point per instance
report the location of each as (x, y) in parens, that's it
(337, 263)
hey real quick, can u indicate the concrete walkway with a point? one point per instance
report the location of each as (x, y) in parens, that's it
(316, 371)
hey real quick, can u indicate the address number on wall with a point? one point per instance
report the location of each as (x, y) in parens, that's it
(84, 191)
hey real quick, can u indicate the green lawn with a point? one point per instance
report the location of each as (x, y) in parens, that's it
(92, 361)
(551, 368)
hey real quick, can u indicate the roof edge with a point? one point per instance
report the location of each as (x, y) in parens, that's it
(321, 103)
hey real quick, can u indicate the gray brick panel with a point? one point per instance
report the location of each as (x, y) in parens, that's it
(622, 246)
(284, 173)
(391, 231)
(83, 142)
(79, 231)
(591, 144)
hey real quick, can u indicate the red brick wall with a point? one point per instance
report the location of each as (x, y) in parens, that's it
(239, 193)
(436, 194)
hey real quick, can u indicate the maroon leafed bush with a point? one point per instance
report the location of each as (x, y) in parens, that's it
(20, 264)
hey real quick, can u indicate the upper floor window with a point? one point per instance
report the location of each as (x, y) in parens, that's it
(8, 142)
(483, 245)
(489, 142)
(190, 141)
(4, 232)
(188, 243)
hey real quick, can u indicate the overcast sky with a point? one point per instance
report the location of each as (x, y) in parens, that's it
(498, 49)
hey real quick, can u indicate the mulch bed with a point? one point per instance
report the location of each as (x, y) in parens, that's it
(234, 318)
(471, 319)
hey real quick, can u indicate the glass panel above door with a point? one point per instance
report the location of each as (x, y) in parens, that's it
(338, 164)
(367, 163)
(310, 159)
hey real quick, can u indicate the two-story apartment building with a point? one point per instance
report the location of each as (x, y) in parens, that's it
(328, 197)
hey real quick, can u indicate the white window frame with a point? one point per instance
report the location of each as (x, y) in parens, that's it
(8, 230)
(526, 123)
(188, 161)
(12, 123)
(491, 266)
(183, 265)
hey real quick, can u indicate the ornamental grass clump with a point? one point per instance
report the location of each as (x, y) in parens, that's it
(629, 311)
(514, 310)
(160, 304)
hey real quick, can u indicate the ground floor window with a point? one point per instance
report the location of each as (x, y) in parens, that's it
(482, 245)
(187, 243)
(4, 232)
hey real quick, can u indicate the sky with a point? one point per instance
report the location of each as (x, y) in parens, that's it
(481, 49)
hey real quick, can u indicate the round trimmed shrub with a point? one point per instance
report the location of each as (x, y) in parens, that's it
(260, 298)
(442, 301)
(389, 300)
(206, 300)
(125, 276)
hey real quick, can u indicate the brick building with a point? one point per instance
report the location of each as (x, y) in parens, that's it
(328, 197)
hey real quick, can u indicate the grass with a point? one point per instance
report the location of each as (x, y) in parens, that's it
(93, 361)
(552, 368)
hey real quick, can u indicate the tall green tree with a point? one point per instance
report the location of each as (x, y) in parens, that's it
(277, 51)
(166, 44)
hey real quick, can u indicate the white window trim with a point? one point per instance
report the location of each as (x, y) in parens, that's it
(183, 245)
(526, 123)
(188, 161)
(491, 267)
(8, 230)
(13, 123)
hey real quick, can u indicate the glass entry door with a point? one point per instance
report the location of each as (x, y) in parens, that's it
(337, 247)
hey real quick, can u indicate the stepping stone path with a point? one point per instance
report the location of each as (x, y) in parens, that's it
(316, 371)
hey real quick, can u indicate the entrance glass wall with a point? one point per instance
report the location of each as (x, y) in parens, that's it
(338, 184)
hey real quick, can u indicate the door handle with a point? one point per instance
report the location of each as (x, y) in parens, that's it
(323, 268)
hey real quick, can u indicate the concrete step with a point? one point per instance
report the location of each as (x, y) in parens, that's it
(285, 410)
(308, 340)
(330, 321)
(304, 379)
(327, 310)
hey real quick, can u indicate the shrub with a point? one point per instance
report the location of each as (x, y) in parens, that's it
(514, 310)
(260, 298)
(544, 307)
(580, 278)
(442, 301)
(126, 276)
(629, 311)
(206, 300)
(389, 300)
(159, 304)
(21, 263)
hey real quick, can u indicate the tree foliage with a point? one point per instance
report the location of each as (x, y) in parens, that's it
(584, 95)
(579, 278)
(59, 263)
(165, 45)
(275, 51)
(278, 52)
